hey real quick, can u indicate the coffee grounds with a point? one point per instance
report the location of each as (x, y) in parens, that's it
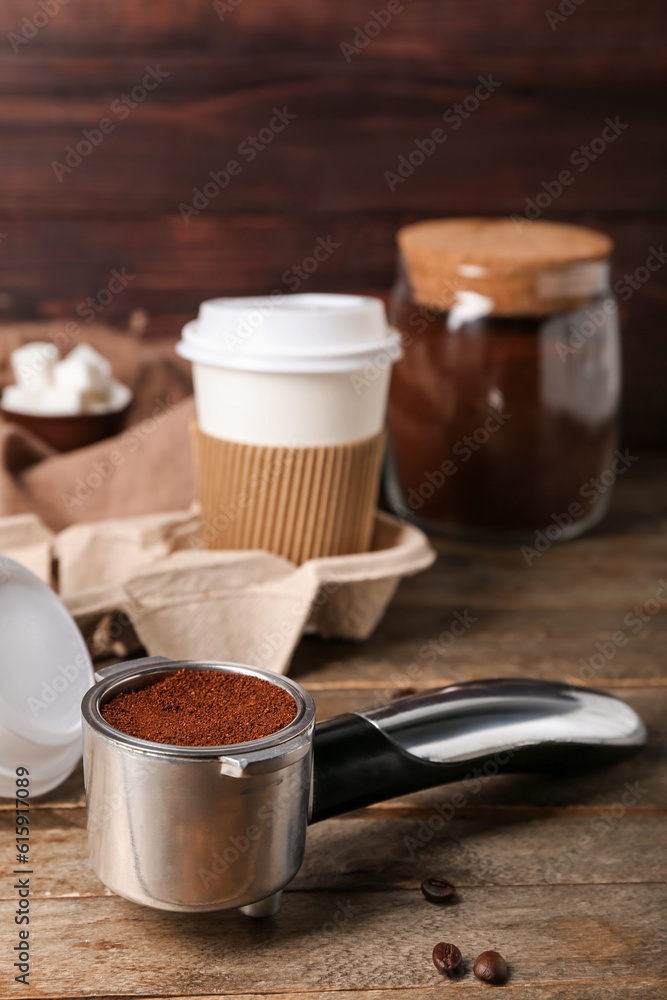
(202, 708)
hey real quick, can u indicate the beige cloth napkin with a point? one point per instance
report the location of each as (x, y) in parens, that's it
(146, 468)
(147, 580)
(26, 540)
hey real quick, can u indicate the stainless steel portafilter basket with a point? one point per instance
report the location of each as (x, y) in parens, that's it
(212, 828)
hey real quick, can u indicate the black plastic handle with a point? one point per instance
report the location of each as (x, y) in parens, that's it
(448, 734)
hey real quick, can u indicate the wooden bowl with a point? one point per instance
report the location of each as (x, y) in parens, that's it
(66, 433)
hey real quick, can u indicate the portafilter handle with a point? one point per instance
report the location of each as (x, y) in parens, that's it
(451, 733)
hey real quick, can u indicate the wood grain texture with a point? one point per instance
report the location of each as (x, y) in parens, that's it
(592, 990)
(553, 870)
(107, 26)
(332, 155)
(383, 852)
(549, 934)
(453, 35)
(173, 262)
(354, 119)
(417, 648)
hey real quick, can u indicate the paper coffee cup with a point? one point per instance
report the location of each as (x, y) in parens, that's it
(290, 395)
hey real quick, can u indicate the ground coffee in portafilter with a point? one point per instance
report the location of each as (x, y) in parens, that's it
(202, 708)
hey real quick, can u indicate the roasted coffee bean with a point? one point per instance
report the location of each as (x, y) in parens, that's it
(491, 967)
(446, 957)
(403, 692)
(438, 890)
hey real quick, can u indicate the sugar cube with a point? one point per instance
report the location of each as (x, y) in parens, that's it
(81, 383)
(33, 364)
(19, 399)
(88, 354)
(79, 373)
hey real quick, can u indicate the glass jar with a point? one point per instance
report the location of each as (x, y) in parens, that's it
(503, 408)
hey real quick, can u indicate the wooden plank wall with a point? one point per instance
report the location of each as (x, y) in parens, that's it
(221, 69)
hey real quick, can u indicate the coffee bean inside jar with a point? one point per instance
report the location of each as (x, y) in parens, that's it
(503, 408)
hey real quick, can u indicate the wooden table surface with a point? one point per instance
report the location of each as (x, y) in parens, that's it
(556, 873)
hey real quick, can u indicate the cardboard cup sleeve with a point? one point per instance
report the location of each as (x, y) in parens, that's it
(300, 503)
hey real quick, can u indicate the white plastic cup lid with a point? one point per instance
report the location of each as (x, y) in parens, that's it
(290, 333)
(45, 668)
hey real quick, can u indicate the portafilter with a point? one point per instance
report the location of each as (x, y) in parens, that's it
(211, 828)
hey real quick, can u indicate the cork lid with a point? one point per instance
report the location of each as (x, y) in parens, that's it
(521, 267)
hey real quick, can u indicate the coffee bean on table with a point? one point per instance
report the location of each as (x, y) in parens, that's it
(438, 890)
(446, 957)
(403, 692)
(491, 967)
